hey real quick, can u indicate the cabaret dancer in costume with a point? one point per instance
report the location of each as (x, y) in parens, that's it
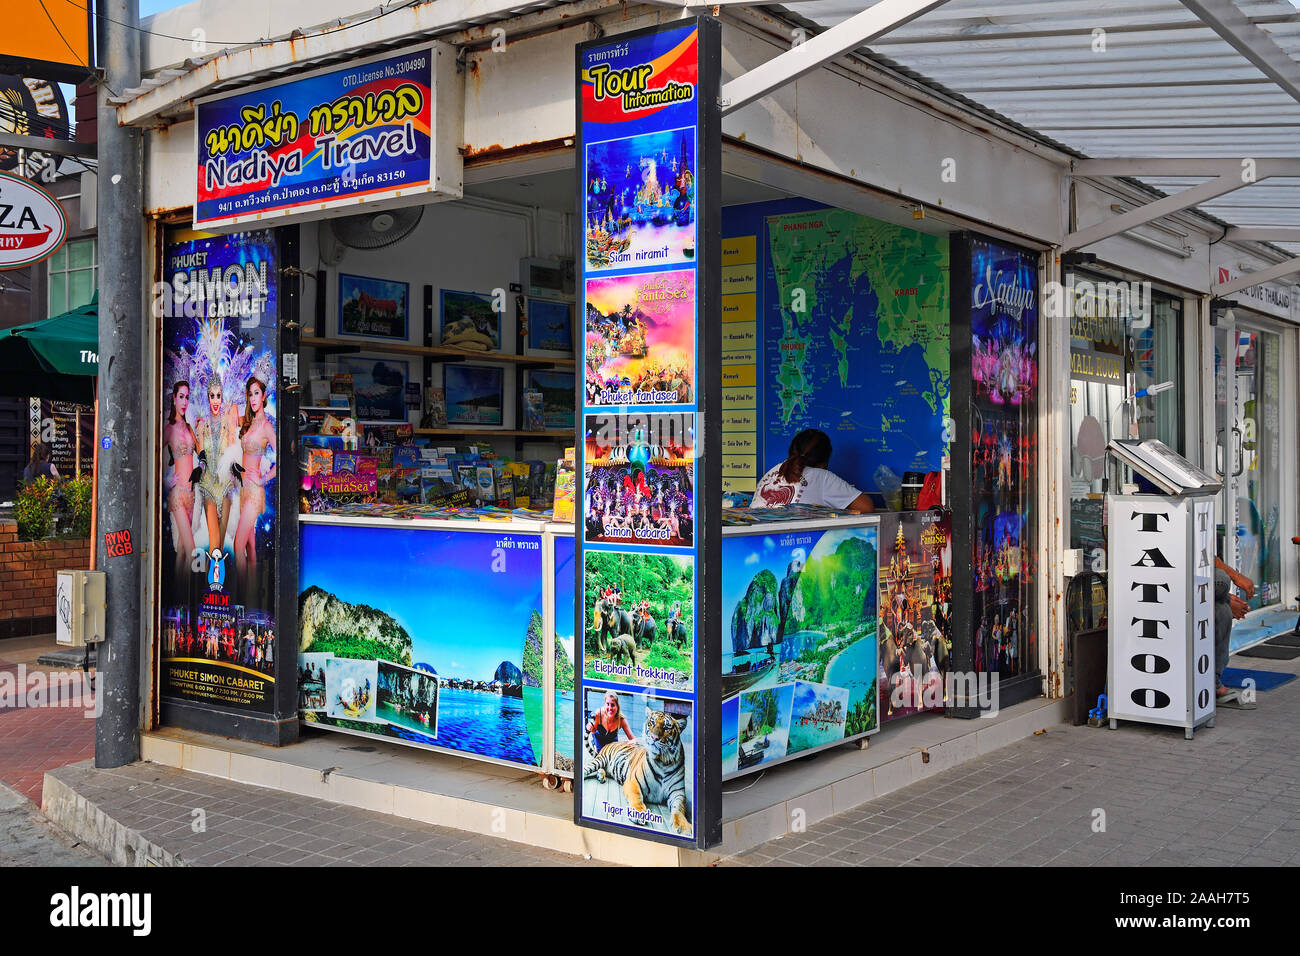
(180, 442)
(256, 435)
(217, 437)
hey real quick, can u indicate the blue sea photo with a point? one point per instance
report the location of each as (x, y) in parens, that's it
(462, 605)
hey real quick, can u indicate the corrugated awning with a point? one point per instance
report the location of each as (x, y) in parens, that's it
(1123, 79)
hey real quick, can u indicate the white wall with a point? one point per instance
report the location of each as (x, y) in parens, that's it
(464, 246)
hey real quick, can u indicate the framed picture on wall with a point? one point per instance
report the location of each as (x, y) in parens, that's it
(557, 390)
(379, 386)
(469, 321)
(475, 394)
(373, 308)
(550, 327)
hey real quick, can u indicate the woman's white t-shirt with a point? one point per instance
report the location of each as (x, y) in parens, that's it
(817, 486)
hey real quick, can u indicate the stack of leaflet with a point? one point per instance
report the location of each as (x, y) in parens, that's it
(1163, 467)
(741, 517)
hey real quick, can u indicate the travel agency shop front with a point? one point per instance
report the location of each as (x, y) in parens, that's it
(384, 560)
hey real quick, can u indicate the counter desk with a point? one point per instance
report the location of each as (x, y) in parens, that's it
(459, 635)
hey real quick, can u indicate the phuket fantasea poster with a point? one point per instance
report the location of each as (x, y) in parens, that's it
(219, 468)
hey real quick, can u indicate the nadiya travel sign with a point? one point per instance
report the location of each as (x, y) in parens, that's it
(357, 133)
(32, 223)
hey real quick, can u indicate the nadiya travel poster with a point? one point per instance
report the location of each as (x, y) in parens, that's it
(640, 339)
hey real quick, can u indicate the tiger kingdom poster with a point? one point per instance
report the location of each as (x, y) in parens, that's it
(638, 760)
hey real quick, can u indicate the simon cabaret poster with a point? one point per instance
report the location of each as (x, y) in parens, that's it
(636, 706)
(358, 131)
(219, 471)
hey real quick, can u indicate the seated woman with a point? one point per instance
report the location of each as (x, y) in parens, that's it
(803, 479)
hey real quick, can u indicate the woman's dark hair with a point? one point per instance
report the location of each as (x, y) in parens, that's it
(40, 452)
(809, 449)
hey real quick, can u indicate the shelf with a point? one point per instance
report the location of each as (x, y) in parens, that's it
(445, 353)
(552, 433)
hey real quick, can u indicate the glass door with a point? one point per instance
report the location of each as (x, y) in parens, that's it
(1247, 382)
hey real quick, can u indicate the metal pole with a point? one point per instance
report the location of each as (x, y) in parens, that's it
(121, 355)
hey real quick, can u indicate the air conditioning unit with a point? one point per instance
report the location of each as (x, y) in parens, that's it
(79, 608)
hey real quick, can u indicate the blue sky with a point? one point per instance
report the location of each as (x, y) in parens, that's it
(463, 618)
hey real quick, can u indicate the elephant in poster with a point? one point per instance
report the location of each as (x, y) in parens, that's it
(612, 622)
(677, 632)
(643, 628)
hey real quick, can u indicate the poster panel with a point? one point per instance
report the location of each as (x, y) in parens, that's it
(799, 660)
(915, 611)
(448, 672)
(1003, 284)
(642, 146)
(218, 446)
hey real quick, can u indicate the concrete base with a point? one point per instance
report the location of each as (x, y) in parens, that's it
(79, 817)
(485, 798)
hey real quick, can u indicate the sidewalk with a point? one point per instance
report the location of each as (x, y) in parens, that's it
(28, 839)
(34, 740)
(146, 812)
(1229, 797)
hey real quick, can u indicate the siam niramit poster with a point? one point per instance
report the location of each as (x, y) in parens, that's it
(219, 470)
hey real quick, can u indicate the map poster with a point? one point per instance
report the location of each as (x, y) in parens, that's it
(844, 292)
(649, 147)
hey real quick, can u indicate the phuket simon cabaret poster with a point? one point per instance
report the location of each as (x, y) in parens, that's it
(218, 442)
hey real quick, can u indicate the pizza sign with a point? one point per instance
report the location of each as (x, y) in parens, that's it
(32, 223)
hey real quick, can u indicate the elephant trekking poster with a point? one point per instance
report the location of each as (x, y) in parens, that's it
(219, 307)
(799, 665)
(915, 611)
(641, 620)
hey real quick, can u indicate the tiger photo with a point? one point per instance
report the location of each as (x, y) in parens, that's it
(650, 771)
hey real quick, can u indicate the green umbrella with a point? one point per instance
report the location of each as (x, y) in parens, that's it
(56, 358)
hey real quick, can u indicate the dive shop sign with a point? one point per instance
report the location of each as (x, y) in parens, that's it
(32, 223)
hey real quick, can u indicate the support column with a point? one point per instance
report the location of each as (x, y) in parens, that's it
(123, 430)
